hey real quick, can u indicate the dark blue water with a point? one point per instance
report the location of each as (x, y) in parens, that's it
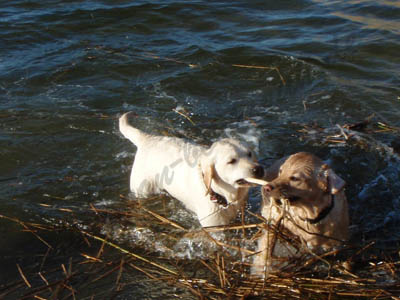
(279, 74)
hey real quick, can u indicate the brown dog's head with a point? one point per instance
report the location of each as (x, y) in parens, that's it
(303, 181)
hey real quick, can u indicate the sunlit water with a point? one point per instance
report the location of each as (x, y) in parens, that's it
(257, 70)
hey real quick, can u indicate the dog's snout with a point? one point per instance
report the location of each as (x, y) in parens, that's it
(258, 171)
(268, 188)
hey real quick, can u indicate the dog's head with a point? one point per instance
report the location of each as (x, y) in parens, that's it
(229, 161)
(303, 181)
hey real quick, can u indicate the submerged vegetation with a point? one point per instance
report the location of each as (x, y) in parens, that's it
(96, 263)
(365, 271)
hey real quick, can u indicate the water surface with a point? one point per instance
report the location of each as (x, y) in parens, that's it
(259, 70)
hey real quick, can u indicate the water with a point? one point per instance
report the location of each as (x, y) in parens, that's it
(261, 70)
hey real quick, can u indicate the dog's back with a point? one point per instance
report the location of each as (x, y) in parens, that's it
(195, 175)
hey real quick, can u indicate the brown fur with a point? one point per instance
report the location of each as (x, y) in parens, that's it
(306, 187)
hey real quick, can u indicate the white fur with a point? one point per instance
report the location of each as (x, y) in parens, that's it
(188, 172)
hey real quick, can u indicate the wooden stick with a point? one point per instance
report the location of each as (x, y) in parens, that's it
(256, 181)
(262, 68)
(163, 219)
(129, 253)
(184, 115)
(27, 229)
(23, 276)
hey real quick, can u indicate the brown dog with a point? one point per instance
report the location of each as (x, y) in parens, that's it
(306, 197)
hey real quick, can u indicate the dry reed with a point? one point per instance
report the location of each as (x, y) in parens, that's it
(102, 268)
(224, 275)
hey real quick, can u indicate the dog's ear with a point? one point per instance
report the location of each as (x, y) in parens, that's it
(336, 183)
(207, 166)
(331, 180)
(208, 176)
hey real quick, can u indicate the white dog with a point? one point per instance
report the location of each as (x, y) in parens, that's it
(209, 182)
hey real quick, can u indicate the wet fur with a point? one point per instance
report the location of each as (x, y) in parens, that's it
(191, 173)
(308, 186)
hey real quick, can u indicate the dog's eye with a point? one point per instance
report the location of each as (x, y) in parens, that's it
(294, 178)
(232, 161)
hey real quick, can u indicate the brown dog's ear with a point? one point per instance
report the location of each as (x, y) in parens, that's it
(208, 176)
(331, 182)
(336, 183)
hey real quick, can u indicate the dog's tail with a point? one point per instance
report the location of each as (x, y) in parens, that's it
(131, 133)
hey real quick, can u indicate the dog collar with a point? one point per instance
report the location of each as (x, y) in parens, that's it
(323, 214)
